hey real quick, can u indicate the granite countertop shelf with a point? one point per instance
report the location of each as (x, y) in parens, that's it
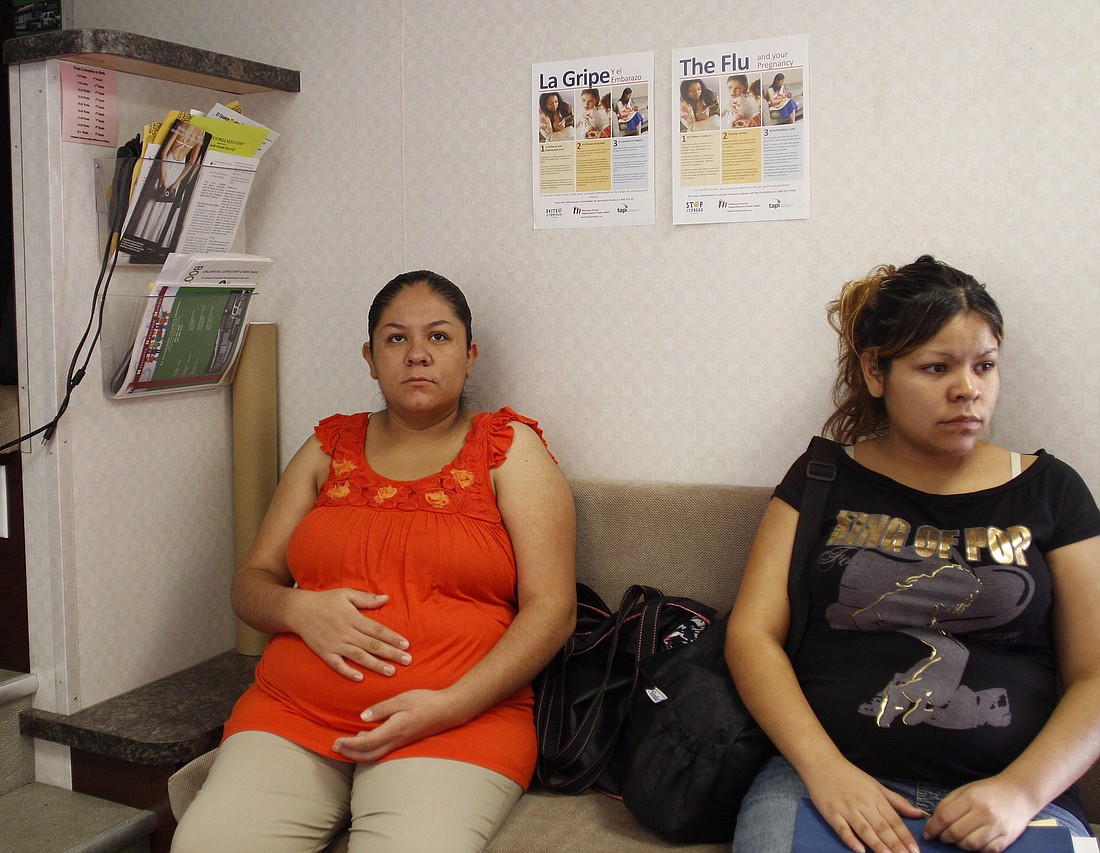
(169, 721)
(150, 57)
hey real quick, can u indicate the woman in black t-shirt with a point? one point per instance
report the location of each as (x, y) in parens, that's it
(954, 582)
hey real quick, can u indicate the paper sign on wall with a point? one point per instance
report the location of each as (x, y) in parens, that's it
(741, 148)
(592, 141)
(89, 105)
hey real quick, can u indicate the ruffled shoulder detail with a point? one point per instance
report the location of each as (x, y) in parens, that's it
(462, 487)
(342, 434)
(499, 433)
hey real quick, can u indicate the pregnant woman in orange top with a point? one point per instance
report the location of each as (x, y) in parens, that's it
(416, 570)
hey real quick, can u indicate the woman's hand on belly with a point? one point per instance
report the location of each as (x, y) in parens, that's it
(405, 718)
(331, 624)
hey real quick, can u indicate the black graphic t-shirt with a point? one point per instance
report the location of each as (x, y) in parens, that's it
(929, 651)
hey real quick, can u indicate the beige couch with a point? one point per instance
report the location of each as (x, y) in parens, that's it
(688, 540)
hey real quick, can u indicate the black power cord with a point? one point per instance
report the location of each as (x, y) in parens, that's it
(116, 213)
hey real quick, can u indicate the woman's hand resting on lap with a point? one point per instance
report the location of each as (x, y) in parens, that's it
(987, 815)
(862, 812)
(405, 718)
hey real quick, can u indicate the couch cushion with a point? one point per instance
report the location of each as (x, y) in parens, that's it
(690, 540)
(586, 823)
(184, 784)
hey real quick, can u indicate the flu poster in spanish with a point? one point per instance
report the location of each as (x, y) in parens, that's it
(592, 141)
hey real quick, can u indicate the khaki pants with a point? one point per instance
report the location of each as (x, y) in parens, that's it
(265, 794)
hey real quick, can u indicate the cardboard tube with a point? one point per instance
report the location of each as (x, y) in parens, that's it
(255, 450)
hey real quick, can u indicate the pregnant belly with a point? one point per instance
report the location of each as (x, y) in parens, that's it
(293, 674)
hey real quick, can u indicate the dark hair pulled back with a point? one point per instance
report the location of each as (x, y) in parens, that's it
(443, 287)
(888, 314)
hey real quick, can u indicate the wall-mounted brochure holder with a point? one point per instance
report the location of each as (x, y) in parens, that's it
(172, 206)
(178, 338)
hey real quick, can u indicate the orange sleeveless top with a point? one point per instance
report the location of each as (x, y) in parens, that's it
(438, 548)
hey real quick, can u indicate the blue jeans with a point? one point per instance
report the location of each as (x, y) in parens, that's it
(766, 821)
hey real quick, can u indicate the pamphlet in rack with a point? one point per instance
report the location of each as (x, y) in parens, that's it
(194, 179)
(193, 325)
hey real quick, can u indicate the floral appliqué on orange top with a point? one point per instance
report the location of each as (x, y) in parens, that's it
(458, 488)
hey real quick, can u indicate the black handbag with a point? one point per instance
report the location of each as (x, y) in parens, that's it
(583, 696)
(692, 749)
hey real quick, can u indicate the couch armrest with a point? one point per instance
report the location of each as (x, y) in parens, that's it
(184, 784)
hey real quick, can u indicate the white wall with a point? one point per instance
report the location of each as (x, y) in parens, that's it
(129, 508)
(961, 129)
(956, 128)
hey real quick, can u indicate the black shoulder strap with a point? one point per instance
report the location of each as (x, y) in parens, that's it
(574, 754)
(820, 473)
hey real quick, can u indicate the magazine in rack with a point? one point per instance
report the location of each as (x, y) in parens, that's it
(190, 191)
(192, 326)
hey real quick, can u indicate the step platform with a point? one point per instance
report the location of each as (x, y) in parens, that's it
(39, 818)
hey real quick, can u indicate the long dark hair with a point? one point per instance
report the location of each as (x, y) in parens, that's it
(442, 287)
(706, 95)
(886, 315)
(564, 109)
